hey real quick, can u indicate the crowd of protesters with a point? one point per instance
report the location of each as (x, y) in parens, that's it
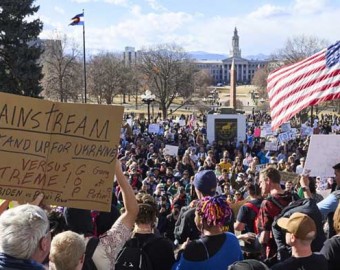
(212, 205)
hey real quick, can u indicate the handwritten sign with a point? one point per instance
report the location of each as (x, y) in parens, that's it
(170, 150)
(66, 151)
(323, 154)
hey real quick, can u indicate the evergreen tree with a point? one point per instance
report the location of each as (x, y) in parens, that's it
(20, 71)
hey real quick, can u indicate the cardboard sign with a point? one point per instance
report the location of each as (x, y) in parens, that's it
(66, 151)
(170, 150)
(153, 128)
(286, 176)
(323, 154)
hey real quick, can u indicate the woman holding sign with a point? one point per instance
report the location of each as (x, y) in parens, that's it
(114, 239)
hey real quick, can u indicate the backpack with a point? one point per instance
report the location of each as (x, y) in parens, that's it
(305, 206)
(133, 255)
(185, 226)
(90, 248)
(256, 210)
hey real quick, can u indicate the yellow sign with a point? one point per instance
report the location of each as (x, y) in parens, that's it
(67, 151)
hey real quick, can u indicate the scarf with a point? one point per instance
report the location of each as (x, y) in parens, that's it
(10, 263)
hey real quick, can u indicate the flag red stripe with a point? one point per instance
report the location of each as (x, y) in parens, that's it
(288, 68)
(311, 103)
(270, 87)
(302, 97)
(301, 77)
(302, 86)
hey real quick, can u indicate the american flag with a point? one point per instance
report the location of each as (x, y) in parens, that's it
(309, 82)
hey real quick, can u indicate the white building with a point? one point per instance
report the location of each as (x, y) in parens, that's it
(220, 70)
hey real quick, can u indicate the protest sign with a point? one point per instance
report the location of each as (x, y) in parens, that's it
(66, 151)
(306, 131)
(129, 121)
(323, 154)
(287, 136)
(286, 176)
(266, 130)
(153, 128)
(271, 145)
(181, 122)
(285, 127)
(257, 132)
(260, 167)
(170, 150)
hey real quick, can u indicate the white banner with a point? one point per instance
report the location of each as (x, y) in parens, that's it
(153, 128)
(170, 150)
(271, 146)
(323, 154)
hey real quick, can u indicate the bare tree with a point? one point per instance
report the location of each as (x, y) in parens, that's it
(169, 74)
(202, 80)
(62, 67)
(108, 77)
(260, 81)
(300, 47)
(295, 49)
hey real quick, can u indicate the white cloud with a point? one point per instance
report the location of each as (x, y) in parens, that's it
(83, 1)
(155, 5)
(309, 6)
(263, 30)
(267, 11)
(114, 2)
(59, 10)
(117, 2)
(135, 10)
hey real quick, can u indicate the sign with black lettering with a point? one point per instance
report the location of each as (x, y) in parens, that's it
(67, 151)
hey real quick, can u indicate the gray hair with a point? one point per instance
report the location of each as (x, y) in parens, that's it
(21, 229)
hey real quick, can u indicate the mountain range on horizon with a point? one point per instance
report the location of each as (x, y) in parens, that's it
(201, 55)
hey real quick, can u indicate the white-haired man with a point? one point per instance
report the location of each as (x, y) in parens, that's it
(25, 238)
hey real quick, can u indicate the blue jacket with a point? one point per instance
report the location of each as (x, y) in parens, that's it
(229, 253)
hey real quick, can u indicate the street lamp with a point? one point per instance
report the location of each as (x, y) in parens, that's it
(147, 98)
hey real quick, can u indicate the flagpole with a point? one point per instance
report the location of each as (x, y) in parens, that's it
(84, 55)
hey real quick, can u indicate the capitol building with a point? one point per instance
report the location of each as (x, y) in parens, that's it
(220, 70)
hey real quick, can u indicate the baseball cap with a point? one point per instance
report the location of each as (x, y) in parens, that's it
(336, 167)
(298, 224)
(205, 181)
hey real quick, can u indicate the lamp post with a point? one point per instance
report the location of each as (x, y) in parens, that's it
(147, 98)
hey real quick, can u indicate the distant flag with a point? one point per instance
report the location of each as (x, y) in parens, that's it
(78, 19)
(309, 82)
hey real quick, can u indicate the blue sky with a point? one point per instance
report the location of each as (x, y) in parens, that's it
(196, 25)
